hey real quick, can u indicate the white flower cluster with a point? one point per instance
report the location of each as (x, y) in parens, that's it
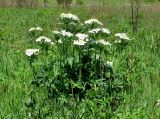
(122, 36)
(79, 42)
(44, 39)
(103, 42)
(110, 63)
(66, 34)
(104, 30)
(63, 33)
(92, 21)
(69, 16)
(31, 52)
(98, 30)
(82, 36)
(60, 41)
(35, 29)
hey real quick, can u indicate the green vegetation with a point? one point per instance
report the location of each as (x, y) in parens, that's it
(138, 64)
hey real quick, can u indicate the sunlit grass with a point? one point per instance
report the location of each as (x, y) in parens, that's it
(142, 72)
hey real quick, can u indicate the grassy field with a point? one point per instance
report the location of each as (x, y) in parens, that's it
(142, 72)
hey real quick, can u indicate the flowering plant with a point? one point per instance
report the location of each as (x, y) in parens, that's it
(81, 60)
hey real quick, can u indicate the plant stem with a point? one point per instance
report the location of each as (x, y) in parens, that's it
(80, 70)
(32, 68)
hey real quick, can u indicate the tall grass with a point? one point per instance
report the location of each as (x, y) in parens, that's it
(142, 71)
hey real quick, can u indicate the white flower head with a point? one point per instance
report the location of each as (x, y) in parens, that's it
(60, 41)
(93, 21)
(81, 36)
(39, 29)
(79, 42)
(52, 43)
(63, 33)
(35, 29)
(104, 30)
(110, 63)
(122, 36)
(66, 34)
(99, 30)
(31, 52)
(95, 31)
(69, 16)
(103, 42)
(43, 39)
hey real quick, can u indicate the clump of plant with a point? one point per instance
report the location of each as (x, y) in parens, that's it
(80, 62)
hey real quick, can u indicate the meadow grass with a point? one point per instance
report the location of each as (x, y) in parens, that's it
(143, 71)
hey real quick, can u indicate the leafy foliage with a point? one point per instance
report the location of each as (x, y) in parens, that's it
(79, 67)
